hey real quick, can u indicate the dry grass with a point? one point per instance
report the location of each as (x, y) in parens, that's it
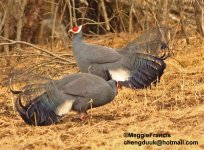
(175, 106)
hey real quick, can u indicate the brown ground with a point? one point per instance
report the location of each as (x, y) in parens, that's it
(174, 106)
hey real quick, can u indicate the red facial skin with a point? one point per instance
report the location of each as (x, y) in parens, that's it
(75, 29)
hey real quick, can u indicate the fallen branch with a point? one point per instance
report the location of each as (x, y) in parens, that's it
(12, 42)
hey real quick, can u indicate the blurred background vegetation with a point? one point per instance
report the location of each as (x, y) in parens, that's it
(37, 21)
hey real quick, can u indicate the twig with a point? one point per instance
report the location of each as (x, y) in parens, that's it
(20, 21)
(49, 2)
(119, 13)
(74, 13)
(4, 18)
(182, 21)
(105, 15)
(154, 16)
(199, 12)
(53, 26)
(83, 13)
(98, 18)
(6, 26)
(92, 22)
(70, 12)
(162, 11)
(130, 19)
(63, 11)
(12, 42)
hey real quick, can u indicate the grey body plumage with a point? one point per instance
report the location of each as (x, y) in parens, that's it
(130, 70)
(78, 92)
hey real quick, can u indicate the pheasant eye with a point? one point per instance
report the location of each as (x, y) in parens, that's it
(75, 29)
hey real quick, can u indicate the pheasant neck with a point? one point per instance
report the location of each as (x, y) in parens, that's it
(77, 44)
(78, 37)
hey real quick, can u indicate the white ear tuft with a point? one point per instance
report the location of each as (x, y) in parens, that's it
(80, 27)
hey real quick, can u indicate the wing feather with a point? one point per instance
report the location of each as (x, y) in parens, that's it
(141, 70)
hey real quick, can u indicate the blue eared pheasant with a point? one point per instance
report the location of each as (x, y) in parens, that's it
(130, 70)
(78, 92)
